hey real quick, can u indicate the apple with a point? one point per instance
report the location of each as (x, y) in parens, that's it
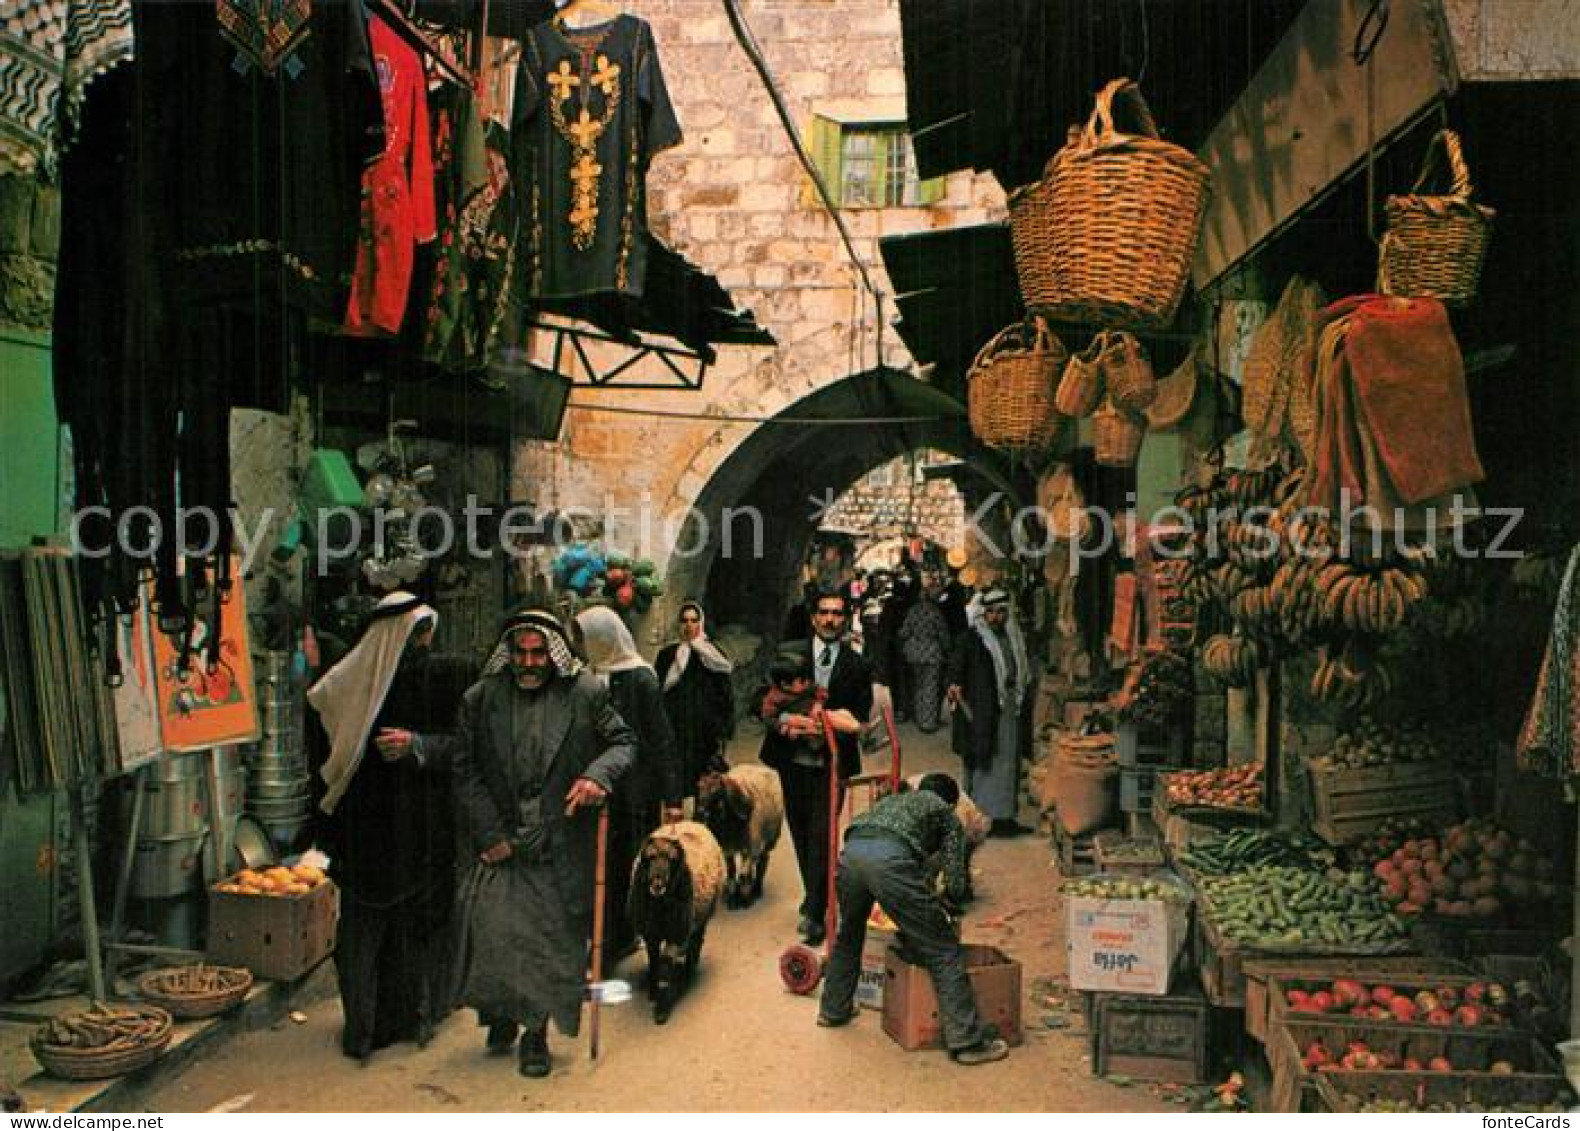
(1403, 1009)
(1469, 1016)
(1440, 1016)
(1383, 994)
(1411, 1064)
(1347, 992)
(1426, 1001)
(1322, 1001)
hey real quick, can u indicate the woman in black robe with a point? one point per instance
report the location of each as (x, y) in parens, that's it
(694, 673)
(388, 822)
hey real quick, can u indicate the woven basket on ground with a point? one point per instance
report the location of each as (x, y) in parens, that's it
(1109, 232)
(1435, 245)
(1009, 391)
(1117, 436)
(1128, 373)
(117, 1058)
(191, 992)
(1175, 395)
(1081, 385)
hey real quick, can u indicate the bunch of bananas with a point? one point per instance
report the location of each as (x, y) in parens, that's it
(1368, 601)
(1232, 660)
(1351, 677)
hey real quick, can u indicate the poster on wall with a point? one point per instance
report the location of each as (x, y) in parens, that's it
(136, 697)
(199, 707)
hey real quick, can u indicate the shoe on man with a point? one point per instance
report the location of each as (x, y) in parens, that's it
(816, 935)
(806, 926)
(502, 1037)
(535, 1054)
(835, 1020)
(983, 1052)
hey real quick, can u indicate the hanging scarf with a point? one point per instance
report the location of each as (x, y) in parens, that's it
(608, 643)
(566, 663)
(1549, 742)
(1009, 692)
(50, 50)
(709, 653)
(351, 694)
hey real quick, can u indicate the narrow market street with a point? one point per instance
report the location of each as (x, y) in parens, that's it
(744, 1043)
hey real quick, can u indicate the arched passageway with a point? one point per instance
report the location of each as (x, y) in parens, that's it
(755, 518)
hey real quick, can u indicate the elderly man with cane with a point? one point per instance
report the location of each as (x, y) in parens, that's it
(540, 749)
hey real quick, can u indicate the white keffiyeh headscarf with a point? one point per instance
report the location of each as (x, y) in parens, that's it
(567, 665)
(350, 695)
(608, 642)
(705, 650)
(1009, 695)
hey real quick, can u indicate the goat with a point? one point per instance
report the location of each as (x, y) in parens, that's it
(674, 889)
(744, 809)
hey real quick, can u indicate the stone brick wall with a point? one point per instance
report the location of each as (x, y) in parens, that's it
(29, 241)
(729, 199)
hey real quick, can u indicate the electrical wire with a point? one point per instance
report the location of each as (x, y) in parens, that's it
(748, 42)
(737, 418)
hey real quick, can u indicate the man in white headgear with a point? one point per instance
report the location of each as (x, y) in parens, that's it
(388, 712)
(541, 748)
(989, 685)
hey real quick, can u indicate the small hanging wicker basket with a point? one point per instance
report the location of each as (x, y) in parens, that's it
(1009, 391)
(1081, 385)
(1108, 234)
(1117, 436)
(1131, 385)
(1435, 245)
(1175, 395)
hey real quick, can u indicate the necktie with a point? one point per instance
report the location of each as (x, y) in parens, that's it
(828, 656)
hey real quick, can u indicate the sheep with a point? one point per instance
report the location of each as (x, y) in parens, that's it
(675, 887)
(745, 810)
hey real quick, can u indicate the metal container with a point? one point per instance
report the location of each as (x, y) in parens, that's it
(285, 833)
(174, 808)
(289, 810)
(168, 866)
(279, 791)
(277, 669)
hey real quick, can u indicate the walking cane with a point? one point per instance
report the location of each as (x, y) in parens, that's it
(595, 976)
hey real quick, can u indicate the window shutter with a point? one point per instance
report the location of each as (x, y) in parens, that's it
(823, 143)
(883, 142)
(930, 191)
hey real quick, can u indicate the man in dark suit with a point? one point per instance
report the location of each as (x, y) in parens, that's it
(844, 682)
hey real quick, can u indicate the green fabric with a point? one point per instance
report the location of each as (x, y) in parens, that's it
(927, 825)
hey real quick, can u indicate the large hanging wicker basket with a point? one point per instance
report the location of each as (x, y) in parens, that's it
(1108, 234)
(1435, 245)
(1117, 436)
(1009, 392)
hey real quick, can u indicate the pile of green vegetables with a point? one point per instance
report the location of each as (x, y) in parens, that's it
(1294, 907)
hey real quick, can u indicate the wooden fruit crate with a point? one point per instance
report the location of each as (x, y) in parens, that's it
(1181, 828)
(1349, 803)
(1351, 1091)
(1168, 1039)
(1222, 961)
(1075, 853)
(1118, 854)
(1279, 1013)
(1258, 972)
(1294, 1088)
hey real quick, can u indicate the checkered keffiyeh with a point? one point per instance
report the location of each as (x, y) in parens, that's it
(566, 663)
(50, 50)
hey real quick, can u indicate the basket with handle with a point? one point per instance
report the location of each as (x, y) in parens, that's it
(1081, 385)
(1109, 232)
(1435, 244)
(1117, 436)
(1009, 392)
(1128, 373)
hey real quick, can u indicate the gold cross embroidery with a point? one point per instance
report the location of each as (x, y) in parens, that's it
(586, 169)
(582, 218)
(585, 131)
(607, 76)
(563, 81)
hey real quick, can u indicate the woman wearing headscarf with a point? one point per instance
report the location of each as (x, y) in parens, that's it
(698, 696)
(652, 787)
(388, 713)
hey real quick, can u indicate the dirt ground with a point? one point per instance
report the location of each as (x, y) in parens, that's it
(737, 1041)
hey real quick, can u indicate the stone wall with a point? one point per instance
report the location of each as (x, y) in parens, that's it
(730, 199)
(889, 503)
(29, 241)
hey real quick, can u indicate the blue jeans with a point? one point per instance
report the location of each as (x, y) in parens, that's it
(877, 867)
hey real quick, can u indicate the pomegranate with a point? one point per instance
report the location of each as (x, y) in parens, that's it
(1383, 994)
(1347, 992)
(1440, 1016)
(1469, 1016)
(1402, 1008)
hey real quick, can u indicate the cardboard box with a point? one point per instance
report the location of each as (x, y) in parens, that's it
(869, 987)
(276, 937)
(910, 1007)
(1127, 946)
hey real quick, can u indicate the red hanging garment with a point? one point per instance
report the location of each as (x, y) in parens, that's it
(397, 191)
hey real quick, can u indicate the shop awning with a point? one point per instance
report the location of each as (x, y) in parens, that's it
(955, 289)
(993, 85)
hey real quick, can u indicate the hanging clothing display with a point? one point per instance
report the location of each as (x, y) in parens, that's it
(397, 190)
(1549, 742)
(477, 236)
(591, 110)
(50, 50)
(213, 218)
